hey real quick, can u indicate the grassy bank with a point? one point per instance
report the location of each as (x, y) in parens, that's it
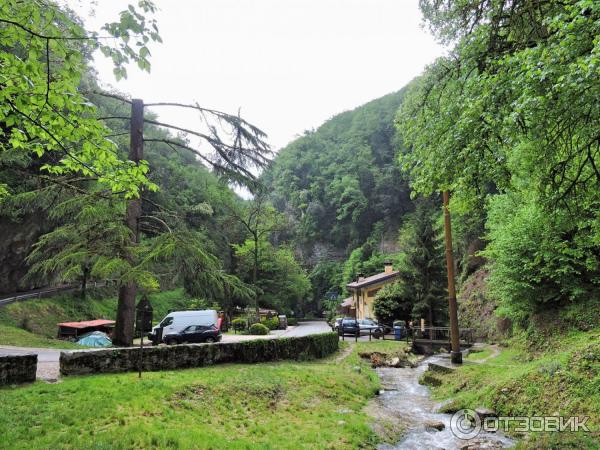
(33, 323)
(287, 405)
(561, 377)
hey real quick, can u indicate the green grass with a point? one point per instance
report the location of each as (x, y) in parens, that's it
(21, 338)
(478, 354)
(33, 323)
(564, 379)
(286, 405)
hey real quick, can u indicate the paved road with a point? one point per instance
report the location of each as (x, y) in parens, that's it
(306, 328)
(48, 368)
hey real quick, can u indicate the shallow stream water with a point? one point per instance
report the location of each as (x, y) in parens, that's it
(411, 403)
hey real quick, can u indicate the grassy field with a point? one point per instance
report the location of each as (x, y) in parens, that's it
(10, 335)
(33, 323)
(287, 405)
(562, 379)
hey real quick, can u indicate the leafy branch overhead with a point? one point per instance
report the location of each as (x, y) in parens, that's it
(43, 52)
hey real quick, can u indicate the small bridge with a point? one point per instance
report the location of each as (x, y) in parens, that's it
(428, 339)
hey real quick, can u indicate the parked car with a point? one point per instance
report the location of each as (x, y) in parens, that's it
(370, 326)
(335, 324)
(194, 334)
(176, 321)
(349, 326)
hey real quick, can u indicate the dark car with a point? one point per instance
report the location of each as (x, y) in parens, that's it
(348, 326)
(194, 334)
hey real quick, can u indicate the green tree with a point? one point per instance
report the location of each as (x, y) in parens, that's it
(259, 219)
(42, 110)
(393, 302)
(509, 119)
(281, 282)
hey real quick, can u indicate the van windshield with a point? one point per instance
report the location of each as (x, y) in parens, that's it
(166, 321)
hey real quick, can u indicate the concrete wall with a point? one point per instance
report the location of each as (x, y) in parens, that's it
(197, 355)
(17, 369)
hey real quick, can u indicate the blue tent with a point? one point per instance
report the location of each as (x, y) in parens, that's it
(95, 339)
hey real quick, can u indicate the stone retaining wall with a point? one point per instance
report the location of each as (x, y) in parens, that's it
(17, 369)
(197, 355)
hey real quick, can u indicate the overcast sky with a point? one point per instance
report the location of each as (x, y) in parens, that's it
(288, 64)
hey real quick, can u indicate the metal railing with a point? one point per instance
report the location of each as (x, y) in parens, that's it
(441, 334)
(41, 293)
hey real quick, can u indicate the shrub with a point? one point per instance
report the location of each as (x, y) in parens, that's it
(292, 321)
(272, 323)
(258, 329)
(238, 324)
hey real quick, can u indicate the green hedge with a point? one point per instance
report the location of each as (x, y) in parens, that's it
(272, 323)
(258, 329)
(198, 355)
(239, 324)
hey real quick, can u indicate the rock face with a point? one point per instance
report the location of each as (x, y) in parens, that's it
(17, 369)
(15, 245)
(439, 369)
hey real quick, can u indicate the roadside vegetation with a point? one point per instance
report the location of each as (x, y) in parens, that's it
(562, 377)
(33, 323)
(290, 405)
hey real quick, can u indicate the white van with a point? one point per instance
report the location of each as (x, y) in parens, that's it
(178, 320)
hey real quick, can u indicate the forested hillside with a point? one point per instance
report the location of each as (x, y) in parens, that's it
(341, 183)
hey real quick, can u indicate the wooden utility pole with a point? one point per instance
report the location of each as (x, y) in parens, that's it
(456, 355)
(124, 326)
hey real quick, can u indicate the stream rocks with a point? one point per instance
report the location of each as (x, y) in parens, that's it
(434, 425)
(484, 413)
(432, 367)
(395, 359)
(481, 444)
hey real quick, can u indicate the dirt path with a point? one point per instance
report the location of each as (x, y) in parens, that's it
(344, 354)
(493, 347)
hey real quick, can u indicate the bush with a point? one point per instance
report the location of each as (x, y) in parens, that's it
(238, 324)
(292, 321)
(258, 329)
(272, 323)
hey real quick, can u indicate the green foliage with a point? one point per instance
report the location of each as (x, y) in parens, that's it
(421, 291)
(44, 114)
(42, 315)
(272, 323)
(560, 379)
(281, 283)
(539, 260)
(325, 280)
(258, 329)
(239, 324)
(509, 123)
(339, 181)
(392, 303)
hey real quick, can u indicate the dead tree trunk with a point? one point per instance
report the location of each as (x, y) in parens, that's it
(124, 326)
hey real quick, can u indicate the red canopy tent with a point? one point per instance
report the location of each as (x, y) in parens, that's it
(74, 329)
